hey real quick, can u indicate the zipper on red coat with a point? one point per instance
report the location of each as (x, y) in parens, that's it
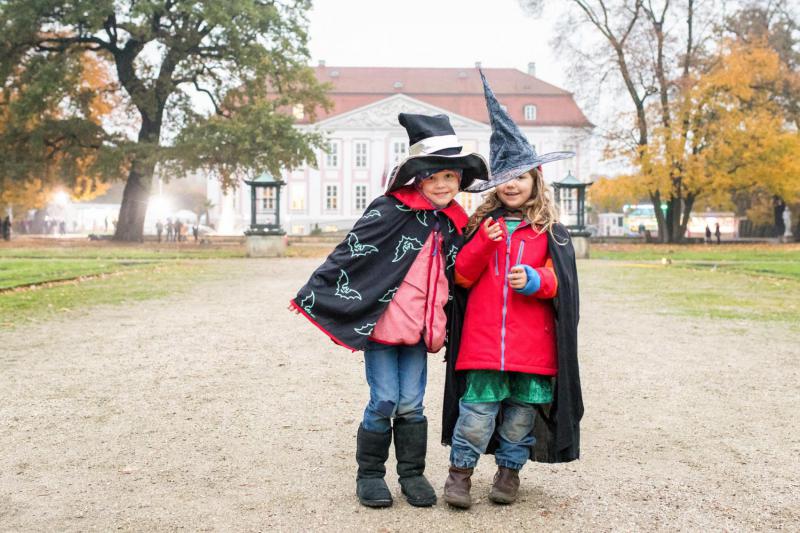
(505, 306)
(521, 249)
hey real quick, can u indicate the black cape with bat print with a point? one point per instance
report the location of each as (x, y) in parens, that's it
(557, 429)
(347, 294)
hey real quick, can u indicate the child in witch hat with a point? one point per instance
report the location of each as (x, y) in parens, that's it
(515, 360)
(383, 290)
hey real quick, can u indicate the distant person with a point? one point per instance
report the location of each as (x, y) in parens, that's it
(7, 228)
(170, 229)
(105, 222)
(159, 229)
(708, 235)
(178, 228)
(62, 228)
(717, 233)
(641, 229)
(195, 232)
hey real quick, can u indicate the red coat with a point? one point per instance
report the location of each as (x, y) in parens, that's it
(503, 329)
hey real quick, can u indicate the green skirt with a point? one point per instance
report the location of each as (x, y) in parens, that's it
(495, 386)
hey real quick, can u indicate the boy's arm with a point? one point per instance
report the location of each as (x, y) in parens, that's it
(473, 258)
(542, 281)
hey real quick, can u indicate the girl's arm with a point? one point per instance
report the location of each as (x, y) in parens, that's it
(541, 282)
(476, 254)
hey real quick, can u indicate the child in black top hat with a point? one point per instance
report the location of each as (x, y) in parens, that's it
(383, 290)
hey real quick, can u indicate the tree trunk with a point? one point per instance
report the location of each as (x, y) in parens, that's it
(135, 196)
(130, 224)
(655, 198)
(687, 212)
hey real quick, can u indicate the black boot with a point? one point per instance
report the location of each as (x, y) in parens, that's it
(410, 444)
(372, 450)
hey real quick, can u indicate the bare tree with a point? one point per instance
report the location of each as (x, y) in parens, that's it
(648, 49)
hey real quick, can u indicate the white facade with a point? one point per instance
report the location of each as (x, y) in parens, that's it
(365, 144)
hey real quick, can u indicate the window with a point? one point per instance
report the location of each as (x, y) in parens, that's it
(298, 111)
(360, 153)
(297, 197)
(268, 198)
(530, 112)
(399, 151)
(568, 201)
(332, 154)
(360, 197)
(331, 197)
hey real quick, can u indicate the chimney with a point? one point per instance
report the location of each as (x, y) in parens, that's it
(477, 64)
(532, 69)
(321, 62)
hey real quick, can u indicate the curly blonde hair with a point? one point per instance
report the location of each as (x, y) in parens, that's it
(539, 210)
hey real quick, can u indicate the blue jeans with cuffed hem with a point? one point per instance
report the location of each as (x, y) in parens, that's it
(476, 424)
(397, 376)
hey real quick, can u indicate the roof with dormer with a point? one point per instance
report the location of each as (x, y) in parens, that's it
(457, 90)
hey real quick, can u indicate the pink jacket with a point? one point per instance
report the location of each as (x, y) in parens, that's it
(417, 309)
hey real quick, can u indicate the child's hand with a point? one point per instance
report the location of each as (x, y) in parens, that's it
(293, 309)
(517, 278)
(493, 229)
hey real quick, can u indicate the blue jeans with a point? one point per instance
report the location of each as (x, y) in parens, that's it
(475, 426)
(397, 376)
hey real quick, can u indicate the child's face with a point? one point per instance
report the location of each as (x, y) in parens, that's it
(514, 193)
(441, 188)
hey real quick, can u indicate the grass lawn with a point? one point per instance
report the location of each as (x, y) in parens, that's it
(16, 272)
(38, 281)
(778, 261)
(747, 282)
(104, 251)
(127, 284)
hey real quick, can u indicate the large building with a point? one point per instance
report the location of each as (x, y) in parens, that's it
(365, 140)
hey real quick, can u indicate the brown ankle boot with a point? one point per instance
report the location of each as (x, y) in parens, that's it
(505, 486)
(457, 486)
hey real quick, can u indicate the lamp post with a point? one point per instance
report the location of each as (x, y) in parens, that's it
(570, 197)
(265, 236)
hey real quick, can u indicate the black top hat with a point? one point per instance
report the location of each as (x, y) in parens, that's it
(433, 145)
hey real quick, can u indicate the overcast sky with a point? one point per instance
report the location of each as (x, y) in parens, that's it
(432, 33)
(440, 33)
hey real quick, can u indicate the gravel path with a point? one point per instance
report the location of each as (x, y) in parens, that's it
(219, 410)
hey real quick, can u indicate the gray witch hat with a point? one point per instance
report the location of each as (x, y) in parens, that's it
(510, 152)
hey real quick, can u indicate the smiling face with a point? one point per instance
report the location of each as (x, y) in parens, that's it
(442, 187)
(514, 193)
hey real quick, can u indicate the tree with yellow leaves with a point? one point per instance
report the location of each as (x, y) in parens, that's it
(729, 135)
(612, 194)
(53, 140)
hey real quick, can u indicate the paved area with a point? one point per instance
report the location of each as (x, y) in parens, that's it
(219, 410)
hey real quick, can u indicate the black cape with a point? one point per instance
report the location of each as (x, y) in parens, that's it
(557, 429)
(347, 294)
